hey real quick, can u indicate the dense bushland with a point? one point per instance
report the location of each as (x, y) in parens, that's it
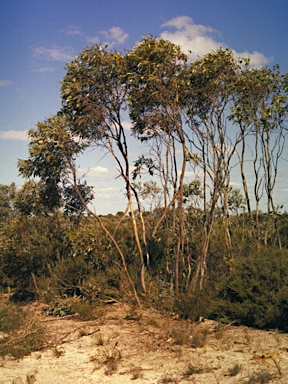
(52, 257)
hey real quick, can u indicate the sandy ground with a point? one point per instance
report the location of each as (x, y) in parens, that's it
(121, 346)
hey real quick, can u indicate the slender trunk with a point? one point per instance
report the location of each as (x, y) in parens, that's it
(257, 186)
(135, 231)
(244, 182)
(122, 146)
(110, 236)
(201, 261)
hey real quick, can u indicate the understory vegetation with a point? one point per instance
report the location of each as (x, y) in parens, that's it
(54, 259)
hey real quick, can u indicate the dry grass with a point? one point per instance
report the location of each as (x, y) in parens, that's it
(137, 373)
(58, 352)
(111, 357)
(260, 378)
(193, 369)
(167, 379)
(101, 340)
(234, 370)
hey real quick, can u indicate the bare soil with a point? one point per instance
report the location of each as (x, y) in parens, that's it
(122, 345)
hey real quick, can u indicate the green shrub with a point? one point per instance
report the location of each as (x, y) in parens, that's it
(29, 245)
(84, 308)
(255, 293)
(193, 305)
(60, 308)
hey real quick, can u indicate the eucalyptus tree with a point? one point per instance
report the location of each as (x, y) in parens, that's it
(94, 102)
(261, 113)
(211, 84)
(94, 95)
(154, 66)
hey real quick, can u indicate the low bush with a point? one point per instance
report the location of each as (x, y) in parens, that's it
(193, 305)
(21, 332)
(10, 317)
(255, 293)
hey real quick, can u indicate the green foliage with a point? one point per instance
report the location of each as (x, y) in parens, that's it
(60, 308)
(28, 247)
(194, 305)
(93, 93)
(73, 205)
(52, 152)
(7, 193)
(84, 308)
(87, 269)
(28, 200)
(255, 292)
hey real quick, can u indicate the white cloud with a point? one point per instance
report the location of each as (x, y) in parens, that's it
(14, 135)
(56, 54)
(201, 39)
(115, 35)
(94, 172)
(257, 59)
(4, 83)
(98, 169)
(93, 39)
(73, 30)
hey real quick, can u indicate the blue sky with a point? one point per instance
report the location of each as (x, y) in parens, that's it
(39, 36)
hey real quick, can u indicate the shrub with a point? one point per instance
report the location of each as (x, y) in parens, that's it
(10, 317)
(60, 308)
(22, 334)
(255, 293)
(193, 305)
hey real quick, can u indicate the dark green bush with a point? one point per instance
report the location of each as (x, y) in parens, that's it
(29, 245)
(194, 305)
(60, 308)
(255, 293)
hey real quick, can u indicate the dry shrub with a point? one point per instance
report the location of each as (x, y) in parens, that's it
(198, 337)
(111, 358)
(136, 373)
(22, 333)
(234, 370)
(167, 379)
(180, 335)
(195, 370)
(260, 378)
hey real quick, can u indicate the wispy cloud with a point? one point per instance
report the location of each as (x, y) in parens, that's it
(4, 83)
(57, 54)
(93, 39)
(44, 69)
(115, 35)
(14, 135)
(200, 40)
(73, 30)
